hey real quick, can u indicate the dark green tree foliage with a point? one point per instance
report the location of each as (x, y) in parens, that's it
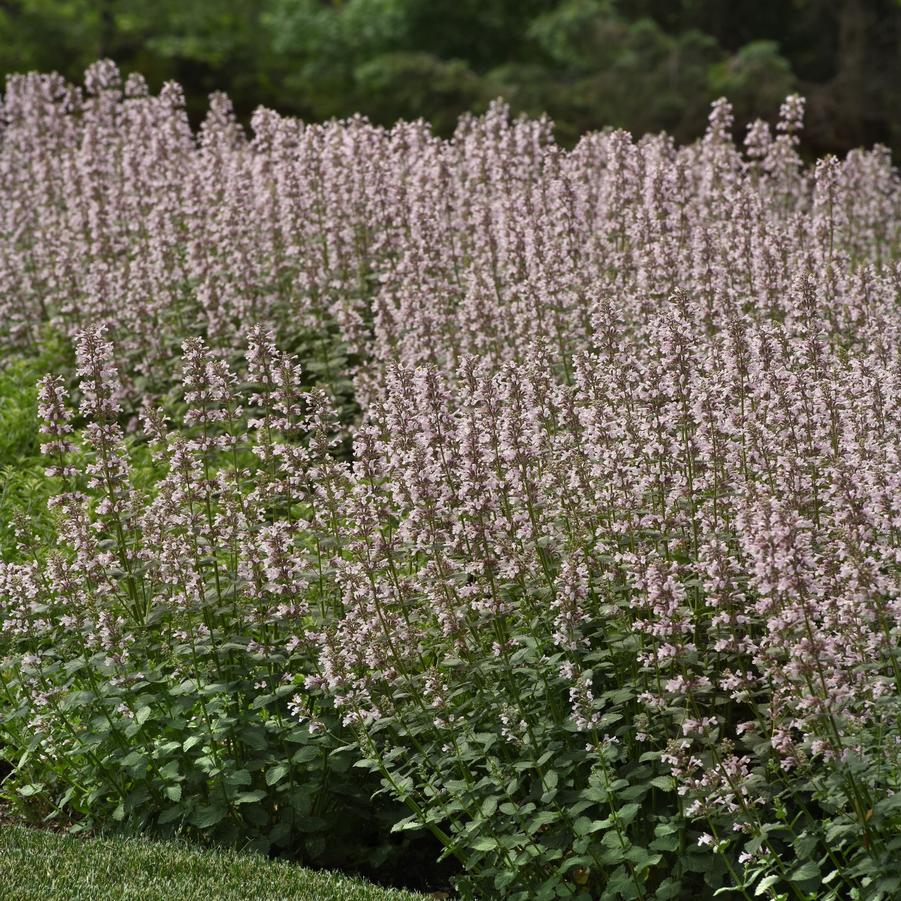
(644, 65)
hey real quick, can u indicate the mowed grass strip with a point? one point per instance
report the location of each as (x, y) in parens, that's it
(43, 865)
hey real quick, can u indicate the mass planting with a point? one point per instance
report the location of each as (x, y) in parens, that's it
(543, 500)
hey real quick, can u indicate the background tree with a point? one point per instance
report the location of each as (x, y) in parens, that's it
(644, 65)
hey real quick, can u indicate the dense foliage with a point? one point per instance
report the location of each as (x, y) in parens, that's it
(544, 500)
(644, 65)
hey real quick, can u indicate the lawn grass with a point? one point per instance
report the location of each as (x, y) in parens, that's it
(44, 866)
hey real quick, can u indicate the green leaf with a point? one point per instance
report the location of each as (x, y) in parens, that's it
(34, 788)
(664, 843)
(541, 819)
(484, 844)
(668, 889)
(276, 773)
(634, 792)
(167, 816)
(889, 805)
(250, 797)
(407, 825)
(807, 870)
(308, 754)
(641, 859)
(628, 812)
(764, 884)
(238, 777)
(571, 863)
(582, 826)
(173, 792)
(142, 715)
(170, 770)
(188, 686)
(134, 760)
(620, 884)
(489, 806)
(206, 817)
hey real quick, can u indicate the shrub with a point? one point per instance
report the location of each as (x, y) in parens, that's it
(595, 628)
(154, 677)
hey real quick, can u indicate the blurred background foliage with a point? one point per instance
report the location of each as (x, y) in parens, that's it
(644, 65)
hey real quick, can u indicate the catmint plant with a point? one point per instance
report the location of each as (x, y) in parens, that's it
(545, 500)
(162, 664)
